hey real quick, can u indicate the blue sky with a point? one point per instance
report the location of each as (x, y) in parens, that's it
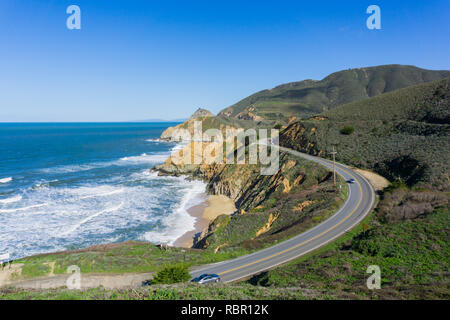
(135, 60)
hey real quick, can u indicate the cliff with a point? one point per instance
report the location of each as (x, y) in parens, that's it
(269, 208)
(199, 114)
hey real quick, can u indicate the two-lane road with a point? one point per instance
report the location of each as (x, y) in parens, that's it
(360, 201)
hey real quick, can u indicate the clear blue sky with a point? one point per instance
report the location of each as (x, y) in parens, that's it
(137, 60)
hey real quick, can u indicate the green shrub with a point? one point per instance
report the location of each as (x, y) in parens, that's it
(347, 130)
(172, 274)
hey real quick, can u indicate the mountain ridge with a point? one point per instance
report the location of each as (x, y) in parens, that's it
(306, 98)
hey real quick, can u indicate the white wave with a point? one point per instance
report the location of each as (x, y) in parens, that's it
(153, 175)
(79, 224)
(6, 180)
(45, 184)
(102, 194)
(24, 208)
(177, 147)
(180, 221)
(158, 140)
(11, 200)
(145, 158)
(73, 168)
(141, 159)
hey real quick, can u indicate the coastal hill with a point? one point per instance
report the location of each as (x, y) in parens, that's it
(309, 97)
(290, 102)
(201, 113)
(403, 135)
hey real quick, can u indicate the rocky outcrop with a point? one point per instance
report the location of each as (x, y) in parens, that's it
(300, 137)
(201, 113)
(272, 218)
(242, 183)
(249, 113)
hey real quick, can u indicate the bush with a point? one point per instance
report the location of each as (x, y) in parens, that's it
(347, 130)
(172, 274)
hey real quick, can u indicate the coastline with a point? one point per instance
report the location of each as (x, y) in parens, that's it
(205, 213)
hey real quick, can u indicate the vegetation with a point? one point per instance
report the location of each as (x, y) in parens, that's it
(347, 130)
(172, 274)
(119, 258)
(160, 292)
(413, 255)
(402, 135)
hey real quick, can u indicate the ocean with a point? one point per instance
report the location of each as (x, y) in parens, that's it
(67, 186)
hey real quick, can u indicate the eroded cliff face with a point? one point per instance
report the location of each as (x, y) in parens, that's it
(300, 137)
(254, 194)
(241, 182)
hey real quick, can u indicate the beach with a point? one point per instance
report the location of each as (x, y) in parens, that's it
(205, 213)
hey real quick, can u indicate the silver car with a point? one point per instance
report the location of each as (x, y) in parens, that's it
(206, 278)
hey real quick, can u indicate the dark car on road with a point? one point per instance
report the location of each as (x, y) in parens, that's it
(351, 181)
(206, 278)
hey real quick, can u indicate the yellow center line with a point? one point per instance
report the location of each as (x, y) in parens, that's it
(307, 241)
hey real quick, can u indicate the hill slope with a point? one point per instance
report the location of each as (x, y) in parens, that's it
(403, 135)
(306, 98)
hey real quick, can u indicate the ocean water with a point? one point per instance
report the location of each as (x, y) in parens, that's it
(72, 185)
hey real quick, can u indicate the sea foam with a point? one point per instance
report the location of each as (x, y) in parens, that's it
(180, 221)
(78, 224)
(11, 200)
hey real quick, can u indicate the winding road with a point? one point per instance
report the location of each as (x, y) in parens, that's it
(360, 201)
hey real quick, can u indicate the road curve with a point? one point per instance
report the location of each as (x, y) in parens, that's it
(360, 201)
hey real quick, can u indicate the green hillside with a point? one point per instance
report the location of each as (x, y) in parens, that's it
(403, 135)
(306, 98)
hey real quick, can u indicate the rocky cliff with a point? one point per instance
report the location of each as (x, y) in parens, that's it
(268, 207)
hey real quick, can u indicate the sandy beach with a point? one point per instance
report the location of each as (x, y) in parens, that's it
(204, 213)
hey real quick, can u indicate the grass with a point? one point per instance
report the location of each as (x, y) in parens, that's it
(124, 257)
(413, 256)
(159, 292)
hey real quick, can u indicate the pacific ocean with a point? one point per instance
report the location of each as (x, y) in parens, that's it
(67, 186)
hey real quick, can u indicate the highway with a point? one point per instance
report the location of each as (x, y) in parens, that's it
(360, 201)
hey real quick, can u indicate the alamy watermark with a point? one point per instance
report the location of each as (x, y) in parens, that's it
(374, 20)
(73, 282)
(74, 20)
(374, 281)
(237, 147)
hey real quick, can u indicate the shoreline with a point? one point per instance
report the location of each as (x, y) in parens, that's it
(205, 213)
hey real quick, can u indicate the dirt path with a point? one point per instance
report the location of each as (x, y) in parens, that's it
(109, 281)
(378, 182)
